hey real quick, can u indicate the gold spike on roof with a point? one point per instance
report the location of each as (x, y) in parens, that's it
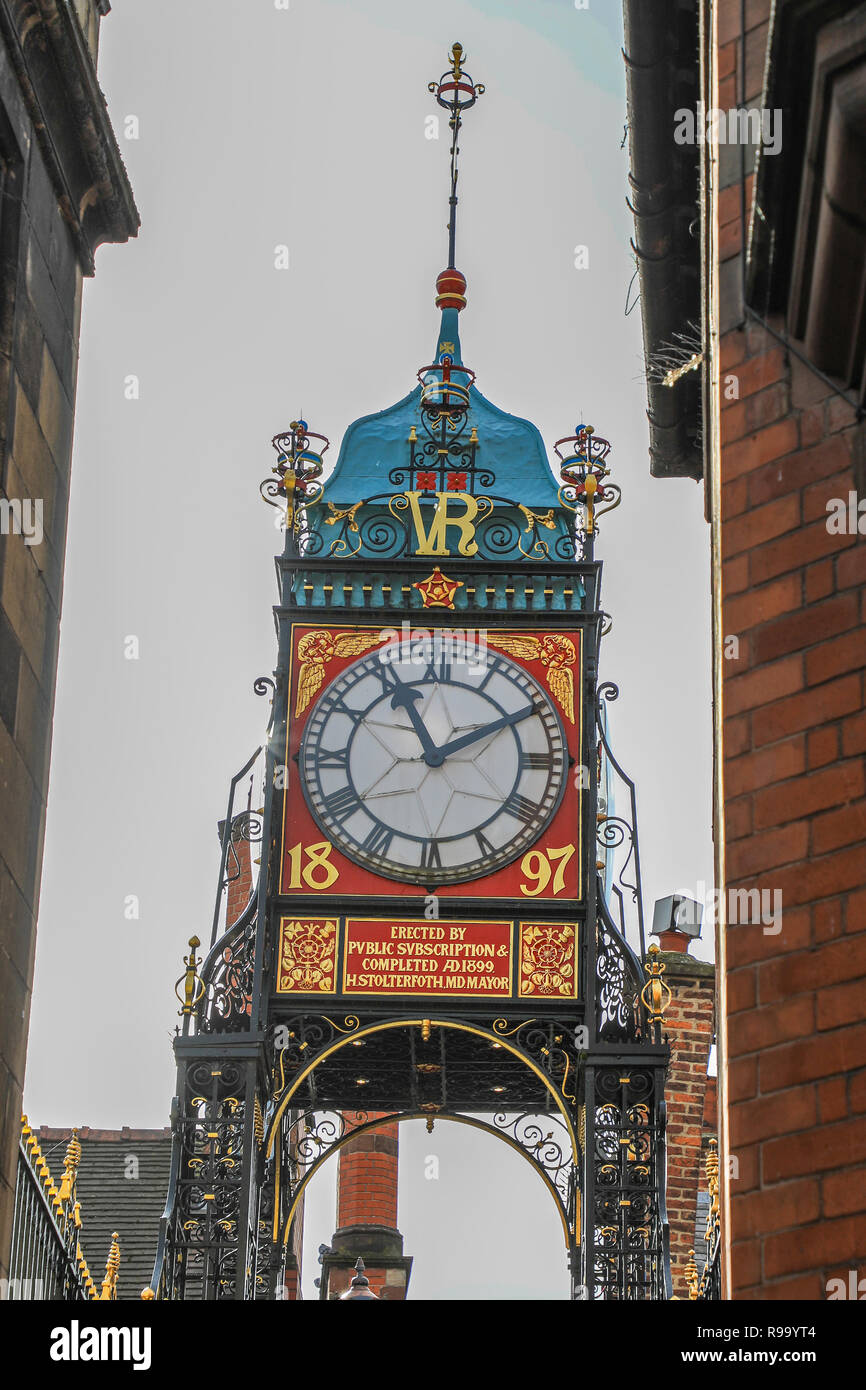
(112, 1265)
(70, 1165)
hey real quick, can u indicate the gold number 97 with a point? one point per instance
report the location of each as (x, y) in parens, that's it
(537, 865)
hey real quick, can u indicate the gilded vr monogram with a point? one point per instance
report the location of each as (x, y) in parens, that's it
(433, 539)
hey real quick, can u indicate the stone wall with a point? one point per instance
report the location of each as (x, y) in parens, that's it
(64, 191)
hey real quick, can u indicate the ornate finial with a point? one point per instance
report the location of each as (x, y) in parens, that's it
(258, 1123)
(112, 1265)
(583, 471)
(655, 994)
(193, 985)
(360, 1285)
(430, 1123)
(712, 1171)
(691, 1275)
(456, 92)
(70, 1164)
(298, 469)
(148, 1294)
(425, 1030)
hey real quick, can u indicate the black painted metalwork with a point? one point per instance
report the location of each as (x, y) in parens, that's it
(456, 92)
(626, 1254)
(229, 831)
(206, 1233)
(545, 1142)
(44, 1259)
(709, 1286)
(618, 841)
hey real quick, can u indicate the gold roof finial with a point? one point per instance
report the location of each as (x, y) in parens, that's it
(70, 1166)
(656, 994)
(112, 1265)
(193, 985)
(712, 1170)
(712, 1162)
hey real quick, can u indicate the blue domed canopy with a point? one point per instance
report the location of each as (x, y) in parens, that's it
(510, 448)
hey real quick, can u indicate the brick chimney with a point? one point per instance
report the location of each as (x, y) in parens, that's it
(367, 1215)
(689, 1028)
(239, 869)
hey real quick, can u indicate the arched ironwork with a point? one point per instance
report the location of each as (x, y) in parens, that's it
(501, 1034)
(542, 1151)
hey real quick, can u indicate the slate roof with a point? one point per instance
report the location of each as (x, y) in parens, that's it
(114, 1199)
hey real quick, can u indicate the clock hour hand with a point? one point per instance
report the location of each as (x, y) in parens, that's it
(404, 697)
(466, 740)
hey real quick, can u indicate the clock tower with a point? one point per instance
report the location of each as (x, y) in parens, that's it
(448, 921)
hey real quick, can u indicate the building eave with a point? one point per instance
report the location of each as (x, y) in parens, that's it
(664, 200)
(58, 83)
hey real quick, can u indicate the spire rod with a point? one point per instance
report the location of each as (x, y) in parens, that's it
(456, 92)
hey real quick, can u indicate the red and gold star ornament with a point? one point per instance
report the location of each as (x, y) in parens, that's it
(437, 591)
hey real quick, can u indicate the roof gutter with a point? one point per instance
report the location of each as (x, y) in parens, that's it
(665, 202)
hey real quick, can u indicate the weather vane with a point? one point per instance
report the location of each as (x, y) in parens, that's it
(456, 92)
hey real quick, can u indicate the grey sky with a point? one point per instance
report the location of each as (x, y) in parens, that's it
(261, 127)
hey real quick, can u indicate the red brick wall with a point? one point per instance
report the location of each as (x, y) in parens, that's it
(795, 796)
(688, 1026)
(239, 887)
(367, 1177)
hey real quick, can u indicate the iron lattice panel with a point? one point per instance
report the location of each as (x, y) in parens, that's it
(425, 1065)
(626, 1222)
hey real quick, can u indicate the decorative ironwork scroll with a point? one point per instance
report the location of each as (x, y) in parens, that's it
(709, 1286)
(629, 1255)
(619, 847)
(204, 1233)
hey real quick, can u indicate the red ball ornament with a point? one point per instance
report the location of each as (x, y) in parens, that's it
(450, 290)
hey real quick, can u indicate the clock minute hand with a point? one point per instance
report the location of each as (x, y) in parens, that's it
(404, 697)
(466, 740)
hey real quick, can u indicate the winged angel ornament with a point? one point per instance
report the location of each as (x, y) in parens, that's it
(315, 649)
(555, 652)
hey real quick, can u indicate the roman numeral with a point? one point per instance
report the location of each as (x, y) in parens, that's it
(536, 762)
(440, 669)
(430, 857)
(484, 845)
(388, 678)
(521, 808)
(332, 757)
(342, 804)
(378, 841)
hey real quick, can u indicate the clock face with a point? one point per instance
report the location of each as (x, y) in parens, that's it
(421, 766)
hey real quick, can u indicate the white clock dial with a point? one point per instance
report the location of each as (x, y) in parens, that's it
(431, 769)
